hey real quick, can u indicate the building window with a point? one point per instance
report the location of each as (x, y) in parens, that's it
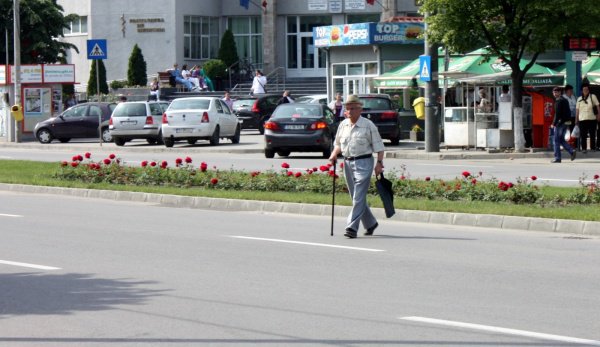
(363, 18)
(301, 52)
(200, 37)
(77, 26)
(247, 32)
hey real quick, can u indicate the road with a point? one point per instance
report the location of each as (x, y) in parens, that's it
(86, 272)
(247, 156)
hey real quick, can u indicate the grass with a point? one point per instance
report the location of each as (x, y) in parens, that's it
(41, 173)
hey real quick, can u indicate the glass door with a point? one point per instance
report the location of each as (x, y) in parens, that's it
(303, 60)
(353, 85)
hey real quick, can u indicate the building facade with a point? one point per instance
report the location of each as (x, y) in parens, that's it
(272, 34)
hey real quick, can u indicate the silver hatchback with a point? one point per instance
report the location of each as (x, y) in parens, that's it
(137, 120)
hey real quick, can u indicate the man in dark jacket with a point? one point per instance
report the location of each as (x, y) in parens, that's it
(562, 119)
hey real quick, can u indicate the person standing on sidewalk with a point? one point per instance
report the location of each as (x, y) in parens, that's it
(357, 139)
(562, 119)
(586, 118)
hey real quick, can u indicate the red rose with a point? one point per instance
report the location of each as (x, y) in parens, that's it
(75, 158)
(106, 161)
(203, 166)
(164, 164)
(188, 160)
(466, 174)
(315, 169)
(74, 164)
(289, 173)
(79, 158)
(510, 185)
(310, 171)
(254, 173)
(473, 181)
(333, 174)
(341, 165)
(178, 161)
(214, 181)
(144, 163)
(402, 177)
(112, 156)
(427, 178)
(324, 168)
(298, 174)
(64, 163)
(88, 155)
(533, 178)
(153, 164)
(285, 165)
(596, 177)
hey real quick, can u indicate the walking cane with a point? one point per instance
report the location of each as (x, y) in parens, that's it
(333, 196)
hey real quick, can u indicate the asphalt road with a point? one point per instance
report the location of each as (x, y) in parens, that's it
(247, 156)
(134, 274)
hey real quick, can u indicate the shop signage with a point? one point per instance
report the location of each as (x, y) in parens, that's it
(335, 6)
(59, 73)
(28, 74)
(317, 5)
(140, 23)
(54, 73)
(368, 33)
(579, 55)
(355, 5)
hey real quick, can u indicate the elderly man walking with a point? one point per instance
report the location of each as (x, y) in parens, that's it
(357, 139)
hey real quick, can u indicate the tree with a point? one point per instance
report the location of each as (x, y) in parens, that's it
(136, 72)
(228, 50)
(511, 29)
(42, 22)
(91, 87)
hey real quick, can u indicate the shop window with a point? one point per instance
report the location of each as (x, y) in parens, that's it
(339, 69)
(355, 69)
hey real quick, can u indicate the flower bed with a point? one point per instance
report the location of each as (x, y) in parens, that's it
(184, 173)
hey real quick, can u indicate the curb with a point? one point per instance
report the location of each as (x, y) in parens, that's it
(577, 227)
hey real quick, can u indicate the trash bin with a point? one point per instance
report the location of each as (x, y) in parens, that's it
(17, 112)
(419, 106)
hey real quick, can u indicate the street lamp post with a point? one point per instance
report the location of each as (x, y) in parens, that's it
(17, 63)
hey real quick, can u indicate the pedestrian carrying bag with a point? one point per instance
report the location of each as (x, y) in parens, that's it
(386, 193)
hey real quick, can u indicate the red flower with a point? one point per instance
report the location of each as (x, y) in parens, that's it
(88, 155)
(164, 164)
(474, 181)
(112, 156)
(315, 169)
(503, 186)
(285, 165)
(289, 173)
(79, 158)
(75, 158)
(466, 174)
(188, 160)
(203, 166)
(402, 177)
(333, 174)
(596, 177)
(298, 174)
(533, 178)
(310, 171)
(144, 163)
(329, 164)
(64, 163)
(324, 168)
(510, 185)
(214, 181)
(74, 164)
(341, 165)
(178, 161)
(427, 178)
(153, 163)
(106, 161)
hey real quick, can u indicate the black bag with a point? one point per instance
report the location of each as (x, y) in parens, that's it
(386, 193)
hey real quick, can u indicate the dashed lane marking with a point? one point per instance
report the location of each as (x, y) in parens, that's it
(11, 215)
(33, 266)
(309, 243)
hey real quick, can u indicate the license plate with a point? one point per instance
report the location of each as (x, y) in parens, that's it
(184, 130)
(129, 122)
(294, 127)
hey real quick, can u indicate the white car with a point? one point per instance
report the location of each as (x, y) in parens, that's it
(199, 118)
(312, 99)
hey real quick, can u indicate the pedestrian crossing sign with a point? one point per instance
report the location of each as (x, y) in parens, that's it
(96, 49)
(425, 68)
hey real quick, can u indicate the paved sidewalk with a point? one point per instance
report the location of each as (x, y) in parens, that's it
(576, 227)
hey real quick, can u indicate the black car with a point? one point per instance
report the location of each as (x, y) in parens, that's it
(299, 127)
(380, 109)
(253, 111)
(79, 121)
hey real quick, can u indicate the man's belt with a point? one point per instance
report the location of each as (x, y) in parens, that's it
(365, 156)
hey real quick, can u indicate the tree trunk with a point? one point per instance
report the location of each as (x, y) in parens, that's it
(517, 104)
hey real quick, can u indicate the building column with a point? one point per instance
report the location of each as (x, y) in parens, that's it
(268, 40)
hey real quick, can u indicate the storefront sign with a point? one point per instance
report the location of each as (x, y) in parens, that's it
(55, 73)
(335, 6)
(142, 22)
(317, 5)
(59, 73)
(355, 5)
(368, 33)
(28, 74)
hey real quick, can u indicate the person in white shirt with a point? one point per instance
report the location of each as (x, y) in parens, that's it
(227, 99)
(258, 83)
(337, 106)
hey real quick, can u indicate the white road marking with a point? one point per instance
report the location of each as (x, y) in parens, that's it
(10, 215)
(454, 165)
(507, 331)
(308, 243)
(33, 266)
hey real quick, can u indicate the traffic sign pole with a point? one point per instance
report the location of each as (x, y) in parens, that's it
(432, 104)
(97, 50)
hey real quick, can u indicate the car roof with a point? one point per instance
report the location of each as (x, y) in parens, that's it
(374, 96)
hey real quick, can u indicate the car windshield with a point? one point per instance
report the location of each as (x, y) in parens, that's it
(376, 104)
(297, 111)
(190, 104)
(243, 103)
(130, 110)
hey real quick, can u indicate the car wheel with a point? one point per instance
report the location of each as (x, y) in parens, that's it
(106, 136)
(64, 140)
(283, 153)
(119, 141)
(395, 141)
(269, 153)
(151, 141)
(192, 141)
(214, 139)
(159, 139)
(169, 142)
(44, 136)
(236, 136)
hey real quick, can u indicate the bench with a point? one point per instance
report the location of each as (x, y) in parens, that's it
(165, 79)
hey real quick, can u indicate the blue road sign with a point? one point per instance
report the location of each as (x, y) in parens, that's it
(425, 68)
(96, 49)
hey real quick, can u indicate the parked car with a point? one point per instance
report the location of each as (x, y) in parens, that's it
(79, 121)
(199, 118)
(300, 128)
(253, 111)
(380, 109)
(137, 120)
(312, 99)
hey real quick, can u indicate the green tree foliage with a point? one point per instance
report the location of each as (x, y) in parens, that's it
(228, 50)
(511, 29)
(92, 88)
(42, 22)
(136, 71)
(215, 68)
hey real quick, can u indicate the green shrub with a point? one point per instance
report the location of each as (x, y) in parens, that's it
(117, 84)
(215, 69)
(136, 71)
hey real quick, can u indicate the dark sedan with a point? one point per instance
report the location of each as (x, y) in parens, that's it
(79, 121)
(300, 128)
(254, 110)
(380, 109)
